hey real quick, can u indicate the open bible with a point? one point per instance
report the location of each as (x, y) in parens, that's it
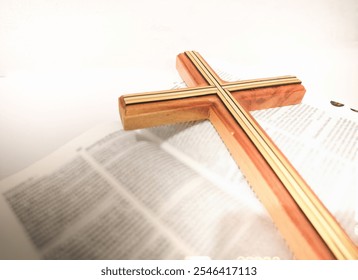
(171, 192)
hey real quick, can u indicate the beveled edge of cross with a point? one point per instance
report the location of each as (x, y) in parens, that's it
(214, 83)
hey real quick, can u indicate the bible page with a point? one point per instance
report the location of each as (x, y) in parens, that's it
(112, 194)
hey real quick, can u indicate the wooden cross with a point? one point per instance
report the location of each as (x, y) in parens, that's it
(309, 229)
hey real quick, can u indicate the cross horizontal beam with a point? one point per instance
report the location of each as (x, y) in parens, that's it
(201, 91)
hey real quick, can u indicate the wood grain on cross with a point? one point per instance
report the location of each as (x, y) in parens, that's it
(309, 229)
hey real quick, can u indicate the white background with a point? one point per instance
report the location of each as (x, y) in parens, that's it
(63, 64)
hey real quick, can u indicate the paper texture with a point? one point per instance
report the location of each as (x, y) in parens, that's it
(171, 192)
